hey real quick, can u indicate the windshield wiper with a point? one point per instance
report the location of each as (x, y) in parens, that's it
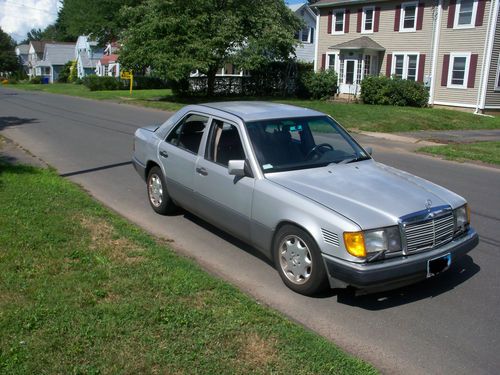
(353, 160)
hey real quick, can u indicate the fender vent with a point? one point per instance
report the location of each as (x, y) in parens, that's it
(330, 237)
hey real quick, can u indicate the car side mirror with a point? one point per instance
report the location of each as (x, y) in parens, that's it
(369, 150)
(239, 168)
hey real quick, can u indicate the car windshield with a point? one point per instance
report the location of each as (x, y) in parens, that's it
(300, 143)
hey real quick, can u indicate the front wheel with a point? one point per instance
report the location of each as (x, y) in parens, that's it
(157, 193)
(298, 261)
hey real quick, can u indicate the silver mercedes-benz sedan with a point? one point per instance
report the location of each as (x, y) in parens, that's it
(294, 184)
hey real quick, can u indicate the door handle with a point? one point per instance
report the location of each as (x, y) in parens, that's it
(164, 154)
(202, 171)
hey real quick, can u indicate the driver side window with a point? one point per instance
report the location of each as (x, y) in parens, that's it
(188, 133)
(224, 143)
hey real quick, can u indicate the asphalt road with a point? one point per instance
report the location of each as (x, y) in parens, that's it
(448, 325)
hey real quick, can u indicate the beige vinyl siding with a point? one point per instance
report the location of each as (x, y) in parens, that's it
(460, 40)
(492, 96)
(419, 41)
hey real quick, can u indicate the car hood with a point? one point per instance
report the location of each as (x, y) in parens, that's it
(368, 193)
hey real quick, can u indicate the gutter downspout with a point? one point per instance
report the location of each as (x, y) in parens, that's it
(488, 48)
(316, 39)
(435, 50)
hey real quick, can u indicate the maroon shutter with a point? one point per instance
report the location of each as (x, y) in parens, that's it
(360, 19)
(420, 15)
(347, 17)
(480, 12)
(472, 71)
(421, 66)
(323, 61)
(451, 14)
(388, 65)
(376, 21)
(444, 73)
(329, 22)
(397, 18)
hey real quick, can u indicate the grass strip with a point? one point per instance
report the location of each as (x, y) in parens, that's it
(84, 291)
(486, 152)
(365, 117)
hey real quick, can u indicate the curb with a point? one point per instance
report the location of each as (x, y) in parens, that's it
(400, 138)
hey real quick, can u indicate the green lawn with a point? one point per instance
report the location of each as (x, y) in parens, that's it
(486, 152)
(82, 291)
(353, 116)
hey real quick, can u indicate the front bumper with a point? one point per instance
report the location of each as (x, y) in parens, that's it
(396, 271)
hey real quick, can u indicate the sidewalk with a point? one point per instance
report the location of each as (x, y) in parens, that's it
(455, 136)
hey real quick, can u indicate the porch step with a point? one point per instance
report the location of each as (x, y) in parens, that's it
(346, 98)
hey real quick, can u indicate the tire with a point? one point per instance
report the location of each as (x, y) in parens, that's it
(298, 261)
(157, 192)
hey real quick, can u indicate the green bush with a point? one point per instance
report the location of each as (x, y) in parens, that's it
(95, 83)
(36, 80)
(73, 73)
(395, 91)
(318, 85)
(65, 72)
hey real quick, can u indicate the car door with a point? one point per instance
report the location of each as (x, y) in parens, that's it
(178, 154)
(224, 199)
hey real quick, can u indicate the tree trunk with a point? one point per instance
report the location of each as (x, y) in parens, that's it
(212, 71)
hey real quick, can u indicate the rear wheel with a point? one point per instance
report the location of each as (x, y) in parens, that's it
(157, 192)
(298, 261)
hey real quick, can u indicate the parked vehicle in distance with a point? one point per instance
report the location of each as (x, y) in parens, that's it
(294, 184)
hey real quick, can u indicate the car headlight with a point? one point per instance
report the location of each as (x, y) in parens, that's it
(371, 242)
(462, 218)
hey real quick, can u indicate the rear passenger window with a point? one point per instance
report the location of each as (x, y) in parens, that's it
(224, 143)
(187, 134)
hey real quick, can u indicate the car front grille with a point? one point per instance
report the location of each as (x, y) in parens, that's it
(429, 234)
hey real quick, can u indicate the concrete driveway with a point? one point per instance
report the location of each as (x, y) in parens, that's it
(448, 325)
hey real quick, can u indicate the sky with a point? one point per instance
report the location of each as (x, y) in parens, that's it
(17, 17)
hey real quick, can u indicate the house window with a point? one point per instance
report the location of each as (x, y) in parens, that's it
(458, 70)
(408, 17)
(368, 61)
(305, 35)
(338, 21)
(367, 20)
(465, 13)
(405, 65)
(331, 61)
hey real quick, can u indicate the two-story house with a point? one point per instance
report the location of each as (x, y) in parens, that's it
(35, 54)
(87, 55)
(307, 35)
(22, 52)
(449, 45)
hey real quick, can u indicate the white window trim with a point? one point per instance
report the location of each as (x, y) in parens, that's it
(334, 19)
(466, 73)
(497, 76)
(402, 29)
(457, 14)
(309, 28)
(336, 65)
(363, 20)
(405, 63)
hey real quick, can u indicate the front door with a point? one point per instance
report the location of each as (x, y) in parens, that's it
(224, 199)
(350, 79)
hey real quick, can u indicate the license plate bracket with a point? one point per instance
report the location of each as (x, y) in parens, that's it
(438, 265)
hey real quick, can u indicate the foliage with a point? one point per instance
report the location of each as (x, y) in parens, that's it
(180, 36)
(393, 91)
(73, 72)
(95, 83)
(65, 72)
(8, 59)
(33, 34)
(36, 80)
(319, 85)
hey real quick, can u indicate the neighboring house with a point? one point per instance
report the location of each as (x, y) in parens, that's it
(452, 46)
(35, 54)
(55, 56)
(108, 65)
(22, 52)
(307, 36)
(87, 55)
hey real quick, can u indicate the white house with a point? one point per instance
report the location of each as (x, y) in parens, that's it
(307, 36)
(22, 52)
(108, 65)
(55, 56)
(87, 54)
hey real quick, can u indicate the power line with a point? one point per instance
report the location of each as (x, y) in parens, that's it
(29, 7)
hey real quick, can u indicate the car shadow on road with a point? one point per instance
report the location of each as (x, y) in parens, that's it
(460, 272)
(10, 121)
(227, 237)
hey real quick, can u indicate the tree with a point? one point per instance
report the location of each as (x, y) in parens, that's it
(178, 36)
(8, 59)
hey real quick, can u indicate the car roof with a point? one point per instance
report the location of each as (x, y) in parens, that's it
(255, 110)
